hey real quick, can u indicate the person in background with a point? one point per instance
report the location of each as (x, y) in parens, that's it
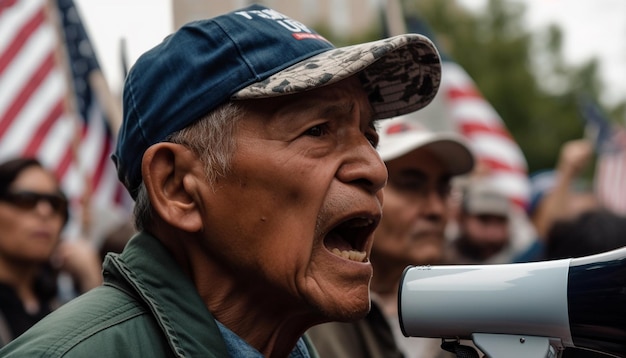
(560, 193)
(249, 145)
(592, 232)
(483, 226)
(421, 165)
(33, 212)
(116, 239)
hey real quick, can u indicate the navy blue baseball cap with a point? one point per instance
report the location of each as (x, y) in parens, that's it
(257, 52)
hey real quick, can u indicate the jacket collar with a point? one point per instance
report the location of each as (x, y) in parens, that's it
(154, 276)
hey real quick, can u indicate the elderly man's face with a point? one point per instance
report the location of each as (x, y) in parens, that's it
(415, 212)
(294, 217)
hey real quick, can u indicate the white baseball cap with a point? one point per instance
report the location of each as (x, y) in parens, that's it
(481, 197)
(401, 135)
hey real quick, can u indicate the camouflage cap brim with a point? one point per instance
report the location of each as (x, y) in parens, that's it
(401, 74)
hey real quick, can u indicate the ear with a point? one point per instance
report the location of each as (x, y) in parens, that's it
(171, 174)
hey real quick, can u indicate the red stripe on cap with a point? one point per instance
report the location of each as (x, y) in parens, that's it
(399, 128)
(472, 127)
(464, 92)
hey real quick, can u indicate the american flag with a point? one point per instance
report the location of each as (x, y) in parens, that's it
(494, 147)
(460, 107)
(52, 107)
(610, 145)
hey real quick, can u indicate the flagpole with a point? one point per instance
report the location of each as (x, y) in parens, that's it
(61, 56)
(71, 109)
(395, 18)
(111, 107)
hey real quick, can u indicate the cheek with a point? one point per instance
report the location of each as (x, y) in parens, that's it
(395, 226)
(399, 213)
(401, 235)
(474, 227)
(267, 216)
(282, 181)
(284, 189)
(498, 233)
(17, 238)
(10, 230)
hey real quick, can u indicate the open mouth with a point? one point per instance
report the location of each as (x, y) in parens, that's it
(349, 238)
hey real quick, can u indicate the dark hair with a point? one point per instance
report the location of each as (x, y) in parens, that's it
(46, 281)
(592, 232)
(11, 169)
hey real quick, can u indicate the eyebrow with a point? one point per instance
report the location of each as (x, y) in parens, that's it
(342, 107)
(348, 107)
(328, 110)
(419, 174)
(412, 173)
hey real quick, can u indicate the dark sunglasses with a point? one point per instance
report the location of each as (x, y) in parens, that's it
(28, 200)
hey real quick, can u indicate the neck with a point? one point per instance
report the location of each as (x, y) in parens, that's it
(266, 323)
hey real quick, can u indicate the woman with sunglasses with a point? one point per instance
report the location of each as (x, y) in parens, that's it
(33, 212)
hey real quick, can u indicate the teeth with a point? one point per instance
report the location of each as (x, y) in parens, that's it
(351, 255)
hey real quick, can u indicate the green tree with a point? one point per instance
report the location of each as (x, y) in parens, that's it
(522, 73)
(526, 80)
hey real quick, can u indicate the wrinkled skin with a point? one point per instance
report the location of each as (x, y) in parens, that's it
(258, 243)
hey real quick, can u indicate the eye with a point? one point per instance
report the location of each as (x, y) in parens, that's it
(317, 131)
(409, 183)
(444, 189)
(372, 137)
(372, 134)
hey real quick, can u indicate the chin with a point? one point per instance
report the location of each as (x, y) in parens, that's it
(347, 310)
(37, 257)
(353, 314)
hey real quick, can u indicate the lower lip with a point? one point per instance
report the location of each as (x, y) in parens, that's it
(46, 236)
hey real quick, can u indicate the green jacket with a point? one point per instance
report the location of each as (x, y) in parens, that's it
(147, 307)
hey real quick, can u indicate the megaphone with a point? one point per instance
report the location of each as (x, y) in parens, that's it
(521, 310)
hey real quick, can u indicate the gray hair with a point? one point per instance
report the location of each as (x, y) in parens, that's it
(212, 139)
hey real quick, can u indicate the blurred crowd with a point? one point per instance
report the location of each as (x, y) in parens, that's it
(41, 266)
(440, 208)
(439, 211)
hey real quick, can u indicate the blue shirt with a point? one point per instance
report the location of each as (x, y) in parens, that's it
(237, 347)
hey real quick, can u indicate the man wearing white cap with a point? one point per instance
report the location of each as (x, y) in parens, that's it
(484, 227)
(421, 165)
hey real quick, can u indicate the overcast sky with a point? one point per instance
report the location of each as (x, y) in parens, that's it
(592, 28)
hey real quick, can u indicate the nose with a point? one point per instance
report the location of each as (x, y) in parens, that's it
(435, 205)
(364, 167)
(436, 201)
(44, 208)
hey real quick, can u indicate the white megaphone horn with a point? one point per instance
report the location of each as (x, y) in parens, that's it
(521, 310)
